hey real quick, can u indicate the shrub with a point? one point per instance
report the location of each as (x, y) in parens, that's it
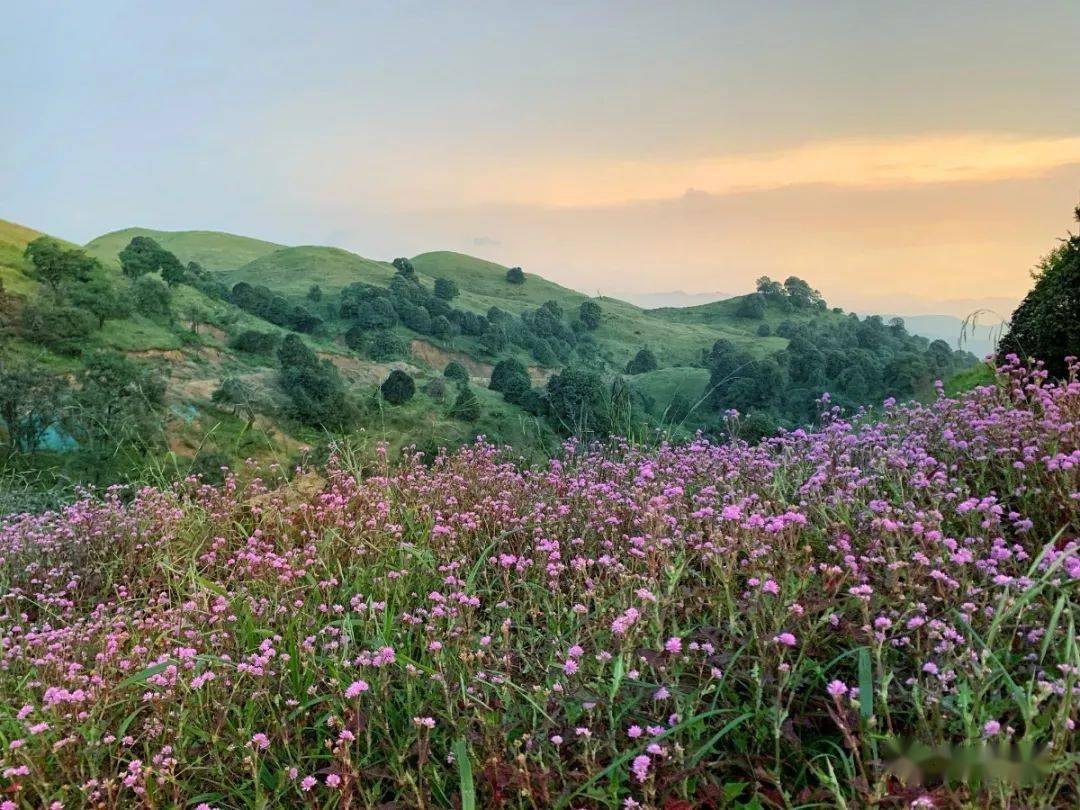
(314, 387)
(405, 268)
(1046, 325)
(642, 362)
(589, 314)
(64, 330)
(436, 388)
(57, 265)
(456, 372)
(751, 306)
(253, 341)
(398, 388)
(384, 345)
(764, 330)
(466, 406)
(510, 378)
(152, 297)
(515, 275)
(446, 289)
(356, 338)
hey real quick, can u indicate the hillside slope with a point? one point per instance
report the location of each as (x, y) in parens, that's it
(214, 250)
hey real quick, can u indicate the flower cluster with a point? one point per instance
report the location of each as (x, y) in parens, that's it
(625, 625)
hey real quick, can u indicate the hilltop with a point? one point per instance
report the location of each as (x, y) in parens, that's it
(256, 348)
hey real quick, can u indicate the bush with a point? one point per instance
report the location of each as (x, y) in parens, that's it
(751, 306)
(253, 341)
(436, 388)
(64, 330)
(385, 345)
(764, 330)
(515, 275)
(143, 256)
(398, 388)
(466, 406)
(456, 372)
(579, 404)
(405, 268)
(314, 387)
(446, 289)
(356, 338)
(1046, 325)
(152, 297)
(100, 297)
(511, 378)
(589, 314)
(642, 362)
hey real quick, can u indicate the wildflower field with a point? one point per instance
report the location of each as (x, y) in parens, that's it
(876, 613)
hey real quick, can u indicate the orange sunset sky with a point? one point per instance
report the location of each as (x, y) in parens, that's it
(902, 157)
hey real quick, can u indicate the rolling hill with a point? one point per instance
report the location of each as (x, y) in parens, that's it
(193, 348)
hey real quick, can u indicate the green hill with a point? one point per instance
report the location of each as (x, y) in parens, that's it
(212, 249)
(779, 358)
(291, 271)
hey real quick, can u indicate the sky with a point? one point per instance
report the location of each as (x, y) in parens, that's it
(913, 157)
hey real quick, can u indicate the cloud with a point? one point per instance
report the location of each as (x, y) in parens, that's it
(485, 241)
(857, 163)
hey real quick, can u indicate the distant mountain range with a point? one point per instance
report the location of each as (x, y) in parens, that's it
(672, 298)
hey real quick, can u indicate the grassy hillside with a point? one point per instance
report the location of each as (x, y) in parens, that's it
(291, 271)
(14, 268)
(191, 348)
(212, 249)
(625, 328)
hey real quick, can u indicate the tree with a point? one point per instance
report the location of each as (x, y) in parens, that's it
(314, 387)
(398, 388)
(100, 297)
(64, 330)
(642, 362)
(515, 275)
(456, 372)
(441, 327)
(511, 378)
(466, 406)
(771, 290)
(356, 338)
(1046, 325)
(751, 306)
(446, 289)
(801, 294)
(314, 293)
(405, 268)
(143, 255)
(764, 330)
(57, 265)
(116, 417)
(254, 342)
(385, 345)
(578, 403)
(152, 297)
(589, 313)
(495, 338)
(31, 401)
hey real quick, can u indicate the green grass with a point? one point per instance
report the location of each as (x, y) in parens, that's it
(969, 378)
(15, 270)
(291, 271)
(662, 385)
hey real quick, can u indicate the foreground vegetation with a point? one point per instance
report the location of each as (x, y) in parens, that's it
(808, 622)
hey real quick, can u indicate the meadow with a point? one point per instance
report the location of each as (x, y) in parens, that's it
(808, 622)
